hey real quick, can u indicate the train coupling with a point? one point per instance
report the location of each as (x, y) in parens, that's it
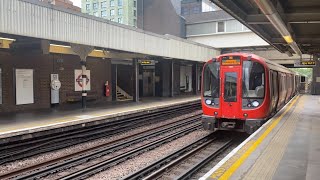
(208, 122)
(229, 125)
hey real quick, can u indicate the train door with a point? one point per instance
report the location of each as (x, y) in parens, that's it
(231, 94)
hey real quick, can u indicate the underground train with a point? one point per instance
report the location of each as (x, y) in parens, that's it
(242, 91)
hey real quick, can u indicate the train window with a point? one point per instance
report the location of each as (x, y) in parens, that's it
(303, 79)
(253, 78)
(230, 87)
(211, 80)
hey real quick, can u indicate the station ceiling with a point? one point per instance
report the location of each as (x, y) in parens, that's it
(291, 26)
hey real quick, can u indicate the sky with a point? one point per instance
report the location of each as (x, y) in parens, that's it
(76, 2)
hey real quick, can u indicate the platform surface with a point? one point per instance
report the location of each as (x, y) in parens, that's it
(287, 147)
(29, 122)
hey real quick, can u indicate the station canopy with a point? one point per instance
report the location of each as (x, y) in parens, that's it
(291, 26)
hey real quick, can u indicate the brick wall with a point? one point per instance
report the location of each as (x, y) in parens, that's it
(43, 66)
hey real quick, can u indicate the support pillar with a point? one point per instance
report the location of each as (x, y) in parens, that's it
(114, 75)
(171, 79)
(315, 88)
(195, 78)
(83, 51)
(135, 80)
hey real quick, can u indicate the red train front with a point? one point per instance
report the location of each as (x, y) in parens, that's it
(236, 92)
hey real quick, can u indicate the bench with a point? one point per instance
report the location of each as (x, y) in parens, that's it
(76, 96)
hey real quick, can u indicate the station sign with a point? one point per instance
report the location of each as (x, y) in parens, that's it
(308, 63)
(147, 62)
(230, 60)
(78, 80)
(304, 63)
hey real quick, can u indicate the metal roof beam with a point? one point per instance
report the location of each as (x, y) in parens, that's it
(290, 18)
(272, 14)
(306, 40)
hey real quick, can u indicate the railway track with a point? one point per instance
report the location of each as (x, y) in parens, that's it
(27, 148)
(90, 161)
(186, 162)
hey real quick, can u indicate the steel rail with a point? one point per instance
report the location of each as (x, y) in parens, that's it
(192, 170)
(120, 158)
(104, 149)
(164, 161)
(188, 173)
(65, 139)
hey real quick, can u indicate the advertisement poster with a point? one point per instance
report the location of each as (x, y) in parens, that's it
(78, 80)
(24, 86)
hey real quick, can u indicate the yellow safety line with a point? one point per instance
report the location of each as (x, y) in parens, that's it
(254, 146)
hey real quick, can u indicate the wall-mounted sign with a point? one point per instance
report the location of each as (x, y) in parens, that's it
(24, 86)
(78, 80)
(230, 60)
(308, 63)
(147, 62)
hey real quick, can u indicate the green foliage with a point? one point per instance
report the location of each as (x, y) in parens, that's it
(305, 71)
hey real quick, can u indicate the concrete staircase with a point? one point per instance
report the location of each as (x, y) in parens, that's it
(122, 95)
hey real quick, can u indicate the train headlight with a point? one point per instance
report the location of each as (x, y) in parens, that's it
(255, 103)
(208, 101)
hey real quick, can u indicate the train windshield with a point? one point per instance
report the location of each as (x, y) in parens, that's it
(253, 77)
(211, 80)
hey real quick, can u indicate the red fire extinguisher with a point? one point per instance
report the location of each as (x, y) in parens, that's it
(107, 88)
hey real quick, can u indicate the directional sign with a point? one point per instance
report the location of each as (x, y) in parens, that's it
(147, 62)
(308, 63)
(304, 63)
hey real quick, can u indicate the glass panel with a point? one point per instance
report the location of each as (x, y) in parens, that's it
(104, 4)
(211, 80)
(233, 26)
(112, 3)
(230, 87)
(220, 26)
(103, 13)
(253, 80)
(112, 12)
(120, 12)
(120, 3)
(95, 5)
(203, 28)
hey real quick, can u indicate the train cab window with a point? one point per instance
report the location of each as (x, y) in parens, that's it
(253, 77)
(230, 87)
(211, 80)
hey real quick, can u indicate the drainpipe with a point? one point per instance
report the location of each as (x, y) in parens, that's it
(273, 16)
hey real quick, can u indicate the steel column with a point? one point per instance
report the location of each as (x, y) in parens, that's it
(135, 80)
(171, 79)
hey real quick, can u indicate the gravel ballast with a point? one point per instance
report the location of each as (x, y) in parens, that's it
(59, 153)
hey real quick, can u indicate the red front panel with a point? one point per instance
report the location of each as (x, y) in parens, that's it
(230, 100)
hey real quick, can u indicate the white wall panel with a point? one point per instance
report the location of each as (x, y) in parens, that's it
(229, 40)
(21, 17)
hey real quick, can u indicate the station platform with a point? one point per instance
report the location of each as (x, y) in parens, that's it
(20, 124)
(286, 147)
